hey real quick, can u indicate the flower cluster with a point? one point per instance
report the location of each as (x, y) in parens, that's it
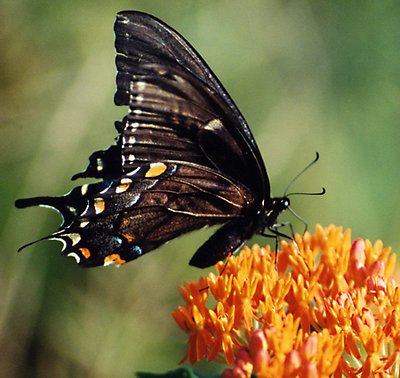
(322, 306)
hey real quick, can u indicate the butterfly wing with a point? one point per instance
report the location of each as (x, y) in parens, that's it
(184, 158)
(142, 39)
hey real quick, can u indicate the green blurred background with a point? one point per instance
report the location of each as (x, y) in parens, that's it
(308, 76)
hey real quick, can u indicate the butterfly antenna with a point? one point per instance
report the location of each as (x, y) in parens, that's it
(321, 193)
(299, 174)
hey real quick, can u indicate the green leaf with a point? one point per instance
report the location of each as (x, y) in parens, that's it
(178, 373)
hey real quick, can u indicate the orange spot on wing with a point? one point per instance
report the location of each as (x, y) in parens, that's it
(124, 222)
(156, 169)
(115, 258)
(128, 237)
(85, 252)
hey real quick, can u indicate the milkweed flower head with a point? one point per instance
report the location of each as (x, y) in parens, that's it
(323, 306)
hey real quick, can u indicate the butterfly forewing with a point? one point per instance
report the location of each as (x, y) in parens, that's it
(174, 117)
(143, 39)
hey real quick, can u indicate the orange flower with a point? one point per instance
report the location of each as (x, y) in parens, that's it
(326, 307)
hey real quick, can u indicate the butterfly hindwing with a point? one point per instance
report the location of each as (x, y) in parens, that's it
(142, 210)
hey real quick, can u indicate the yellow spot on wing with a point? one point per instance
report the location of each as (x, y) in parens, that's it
(99, 205)
(123, 186)
(156, 169)
(115, 258)
(85, 252)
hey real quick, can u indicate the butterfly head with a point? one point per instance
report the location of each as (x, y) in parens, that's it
(277, 206)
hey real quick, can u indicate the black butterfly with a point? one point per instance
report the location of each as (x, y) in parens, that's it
(184, 159)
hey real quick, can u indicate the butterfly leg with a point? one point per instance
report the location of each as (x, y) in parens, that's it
(277, 234)
(229, 238)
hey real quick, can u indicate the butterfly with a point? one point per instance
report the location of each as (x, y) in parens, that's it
(184, 158)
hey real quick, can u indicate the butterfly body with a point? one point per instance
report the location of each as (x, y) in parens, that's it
(184, 159)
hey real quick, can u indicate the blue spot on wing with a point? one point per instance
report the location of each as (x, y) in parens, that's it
(136, 250)
(118, 241)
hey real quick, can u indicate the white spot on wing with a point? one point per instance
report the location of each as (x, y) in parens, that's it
(75, 256)
(126, 180)
(104, 190)
(84, 212)
(132, 173)
(214, 125)
(51, 207)
(141, 85)
(129, 140)
(71, 209)
(132, 127)
(75, 237)
(100, 164)
(83, 224)
(134, 199)
(64, 243)
(84, 189)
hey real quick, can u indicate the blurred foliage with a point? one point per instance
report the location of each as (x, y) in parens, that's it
(309, 76)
